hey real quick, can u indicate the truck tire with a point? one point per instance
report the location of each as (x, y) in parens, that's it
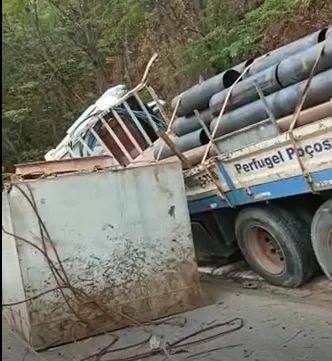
(276, 245)
(305, 215)
(321, 236)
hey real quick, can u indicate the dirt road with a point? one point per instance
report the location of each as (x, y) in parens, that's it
(279, 325)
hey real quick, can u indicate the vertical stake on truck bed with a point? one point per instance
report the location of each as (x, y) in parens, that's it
(209, 145)
(207, 170)
(206, 130)
(296, 114)
(169, 127)
(229, 94)
(160, 107)
(164, 135)
(266, 106)
(175, 149)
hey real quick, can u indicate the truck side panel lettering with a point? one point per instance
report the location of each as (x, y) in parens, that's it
(287, 154)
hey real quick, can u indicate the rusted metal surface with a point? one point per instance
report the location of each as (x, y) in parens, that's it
(134, 148)
(266, 250)
(64, 165)
(124, 241)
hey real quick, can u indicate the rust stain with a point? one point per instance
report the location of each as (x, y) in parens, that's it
(64, 165)
(114, 148)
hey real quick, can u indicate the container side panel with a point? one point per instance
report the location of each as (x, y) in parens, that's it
(123, 237)
(12, 283)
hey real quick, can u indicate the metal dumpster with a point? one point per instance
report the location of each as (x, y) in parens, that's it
(96, 251)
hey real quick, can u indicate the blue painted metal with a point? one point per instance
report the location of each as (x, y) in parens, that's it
(268, 191)
(226, 176)
(206, 204)
(323, 175)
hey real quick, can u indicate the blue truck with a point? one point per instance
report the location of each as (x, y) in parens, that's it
(263, 193)
(272, 199)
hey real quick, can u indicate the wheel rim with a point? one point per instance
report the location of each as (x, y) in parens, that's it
(266, 250)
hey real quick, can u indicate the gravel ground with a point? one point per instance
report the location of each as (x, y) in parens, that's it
(278, 325)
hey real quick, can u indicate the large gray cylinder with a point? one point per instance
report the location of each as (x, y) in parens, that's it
(185, 125)
(198, 96)
(187, 142)
(329, 33)
(245, 91)
(298, 67)
(281, 104)
(288, 50)
(194, 156)
(289, 71)
(240, 67)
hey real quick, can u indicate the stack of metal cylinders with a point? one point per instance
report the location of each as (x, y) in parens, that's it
(281, 75)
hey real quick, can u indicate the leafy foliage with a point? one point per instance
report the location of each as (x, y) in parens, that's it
(234, 35)
(54, 56)
(59, 55)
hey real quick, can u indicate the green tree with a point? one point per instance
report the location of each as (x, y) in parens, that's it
(58, 56)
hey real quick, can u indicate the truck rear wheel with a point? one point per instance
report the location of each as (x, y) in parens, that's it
(276, 245)
(321, 236)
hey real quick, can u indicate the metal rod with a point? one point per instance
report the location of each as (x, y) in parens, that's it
(206, 130)
(298, 108)
(70, 151)
(101, 142)
(282, 103)
(85, 146)
(160, 107)
(117, 140)
(307, 116)
(138, 124)
(126, 130)
(266, 106)
(175, 149)
(306, 90)
(170, 124)
(143, 107)
(222, 111)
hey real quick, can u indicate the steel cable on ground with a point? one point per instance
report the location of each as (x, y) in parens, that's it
(179, 346)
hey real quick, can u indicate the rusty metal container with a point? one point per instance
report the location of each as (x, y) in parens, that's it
(107, 249)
